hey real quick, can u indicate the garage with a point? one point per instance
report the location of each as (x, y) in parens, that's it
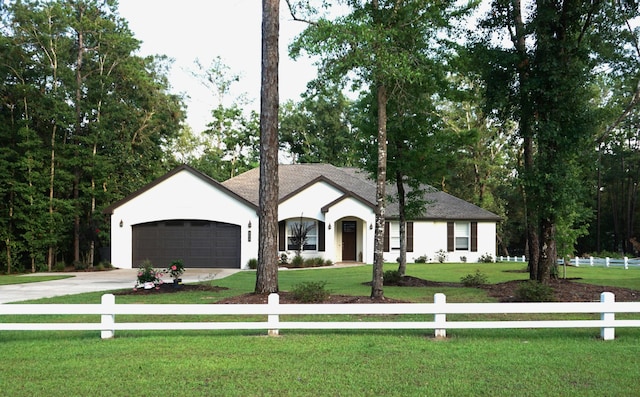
(198, 243)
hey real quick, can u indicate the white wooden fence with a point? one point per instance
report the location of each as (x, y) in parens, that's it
(591, 261)
(436, 312)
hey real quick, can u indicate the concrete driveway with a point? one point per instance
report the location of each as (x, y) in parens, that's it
(92, 282)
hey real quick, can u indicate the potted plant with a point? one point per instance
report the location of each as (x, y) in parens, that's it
(175, 269)
(148, 277)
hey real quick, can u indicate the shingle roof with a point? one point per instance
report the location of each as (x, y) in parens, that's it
(295, 177)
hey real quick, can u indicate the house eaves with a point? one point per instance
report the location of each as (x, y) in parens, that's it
(345, 196)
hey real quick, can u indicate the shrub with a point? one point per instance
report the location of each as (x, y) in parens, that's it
(300, 262)
(284, 258)
(252, 263)
(485, 258)
(534, 291)
(391, 277)
(59, 267)
(421, 259)
(147, 274)
(441, 256)
(310, 292)
(106, 265)
(175, 269)
(297, 261)
(463, 259)
(313, 262)
(79, 265)
(474, 280)
(328, 262)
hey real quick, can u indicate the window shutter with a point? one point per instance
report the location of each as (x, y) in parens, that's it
(282, 238)
(474, 236)
(451, 246)
(386, 237)
(409, 236)
(321, 237)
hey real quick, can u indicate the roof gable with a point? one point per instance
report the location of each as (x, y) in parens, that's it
(167, 176)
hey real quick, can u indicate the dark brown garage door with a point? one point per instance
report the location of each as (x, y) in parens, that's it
(196, 243)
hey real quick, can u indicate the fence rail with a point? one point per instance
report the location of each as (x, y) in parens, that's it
(625, 262)
(108, 309)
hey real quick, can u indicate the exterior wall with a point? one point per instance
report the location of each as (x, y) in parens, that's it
(429, 237)
(183, 196)
(345, 210)
(309, 203)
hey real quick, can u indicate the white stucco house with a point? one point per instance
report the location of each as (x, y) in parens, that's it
(189, 216)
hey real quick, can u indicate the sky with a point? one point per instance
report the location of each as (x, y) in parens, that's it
(186, 30)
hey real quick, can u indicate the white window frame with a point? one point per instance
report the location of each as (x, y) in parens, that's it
(394, 235)
(462, 236)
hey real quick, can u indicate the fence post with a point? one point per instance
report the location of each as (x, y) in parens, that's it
(607, 261)
(577, 260)
(108, 320)
(273, 319)
(626, 263)
(523, 258)
(607, 333)
(591, 261)
(440, 318)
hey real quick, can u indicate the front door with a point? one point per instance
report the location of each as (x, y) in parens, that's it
(349, 235)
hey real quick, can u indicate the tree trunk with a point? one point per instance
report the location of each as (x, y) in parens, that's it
(526, 132)
(381, 180)
(7, 242)
(77, 133)
(548, 254)
(402, 217)
(52, 173)
(267, 270)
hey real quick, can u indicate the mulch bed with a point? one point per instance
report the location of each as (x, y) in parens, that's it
(565, 290)
(169, 288)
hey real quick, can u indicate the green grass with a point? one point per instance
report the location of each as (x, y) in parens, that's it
(329, 363)
(24, 279)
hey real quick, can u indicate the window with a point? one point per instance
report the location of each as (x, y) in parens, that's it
(462, 236)
(306, 230)
(392, 236)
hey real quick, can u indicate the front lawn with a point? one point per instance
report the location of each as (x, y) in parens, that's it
(24, 279)
(328, 363)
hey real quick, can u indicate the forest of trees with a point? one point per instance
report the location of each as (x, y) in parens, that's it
(530, 109)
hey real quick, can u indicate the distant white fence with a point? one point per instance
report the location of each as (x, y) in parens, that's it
(591, 261)
(108, 309)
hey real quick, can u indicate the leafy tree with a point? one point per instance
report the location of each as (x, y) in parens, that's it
(545, 78)
(319, 128)
(370, 44)
(84, 121)
(230, 144)
(386, 46)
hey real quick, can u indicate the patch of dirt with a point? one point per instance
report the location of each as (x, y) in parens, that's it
(169, 288)
(565, 290)
(287, 297)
